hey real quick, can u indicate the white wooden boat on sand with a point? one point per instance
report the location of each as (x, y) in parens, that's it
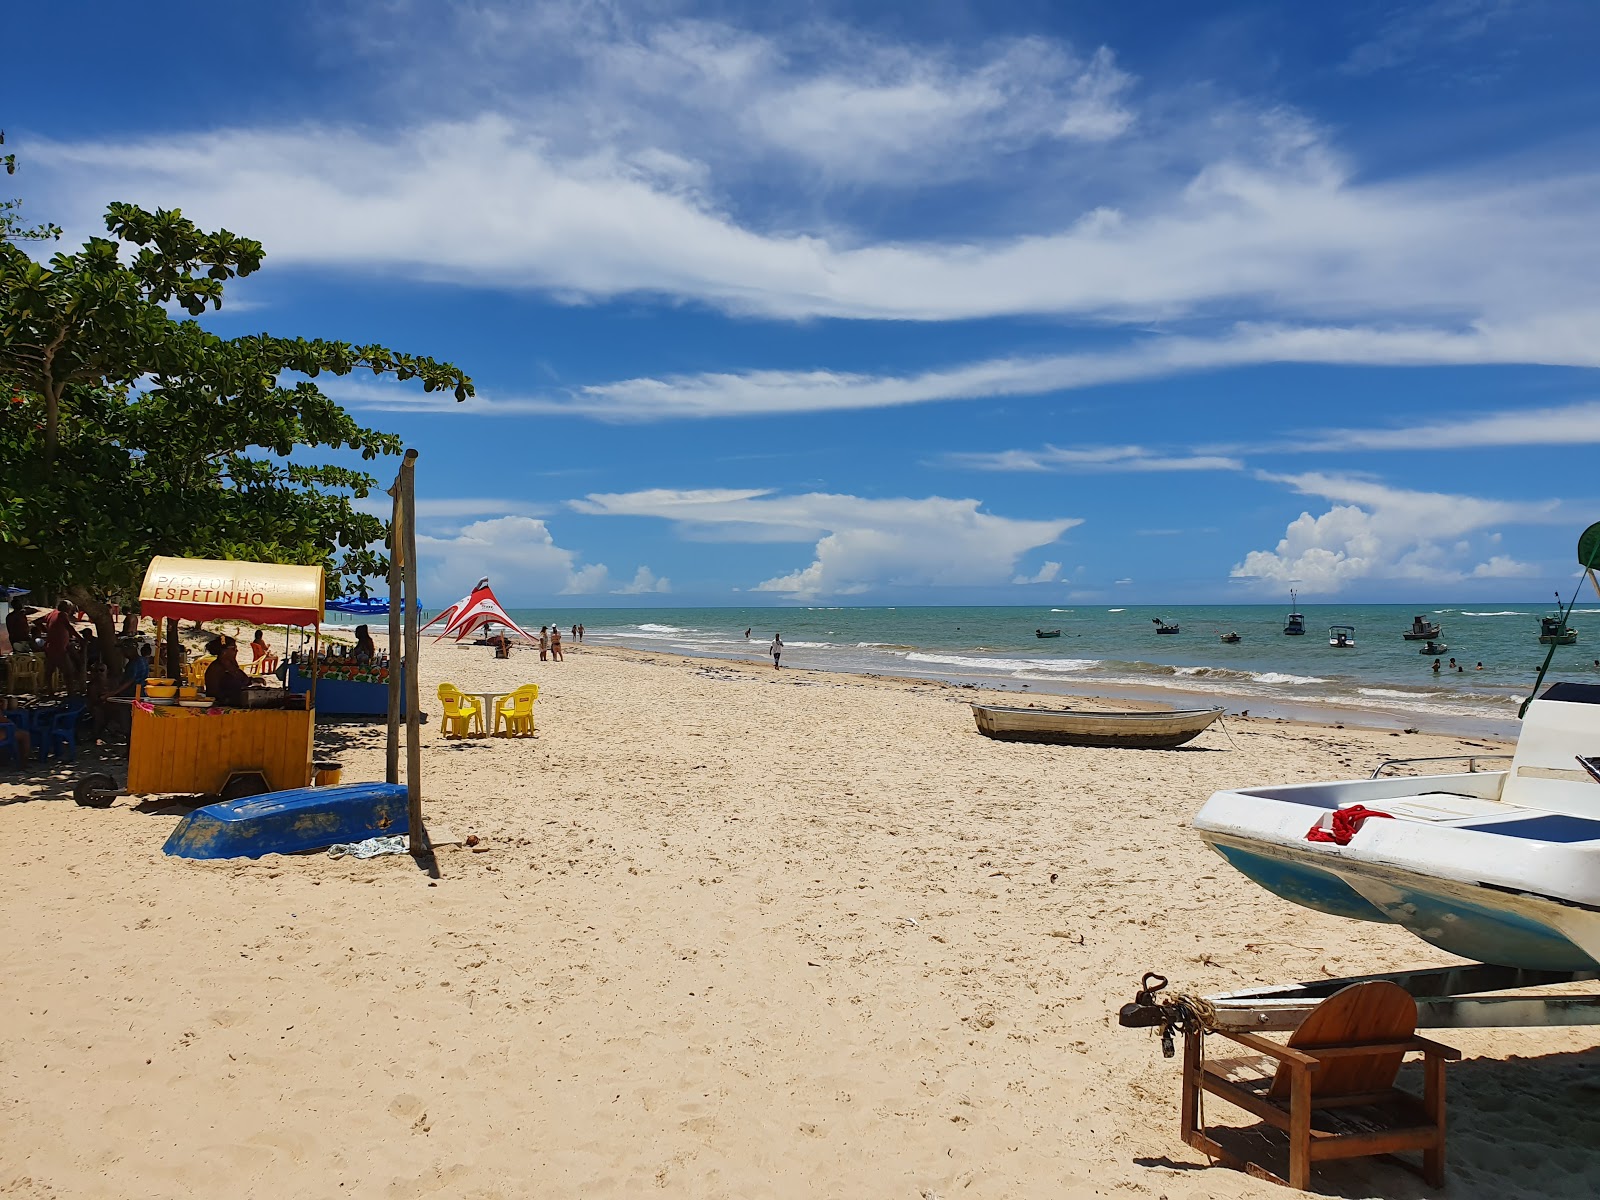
(1502, 867)
(1069, 727)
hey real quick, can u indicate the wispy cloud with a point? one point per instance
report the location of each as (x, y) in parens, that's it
(1416, 28)
(1553, 425)
(861, 544)
(1566, 339)
(457, 506)
(1091, 459)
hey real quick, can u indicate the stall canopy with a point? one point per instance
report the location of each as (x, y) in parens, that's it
(374, 606)
(477, 610)
(201, 589)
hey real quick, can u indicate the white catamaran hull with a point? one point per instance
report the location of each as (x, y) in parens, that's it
(1499, 867)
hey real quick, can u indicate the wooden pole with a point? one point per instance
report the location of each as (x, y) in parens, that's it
(408, 515)
(397, 604)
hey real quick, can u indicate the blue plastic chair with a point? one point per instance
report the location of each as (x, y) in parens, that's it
(26, 721)
(63, 735)
(8, 741)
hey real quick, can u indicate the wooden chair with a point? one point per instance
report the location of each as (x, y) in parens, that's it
(1333, 1089)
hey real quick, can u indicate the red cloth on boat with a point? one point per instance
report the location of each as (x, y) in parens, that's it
(1345, 823)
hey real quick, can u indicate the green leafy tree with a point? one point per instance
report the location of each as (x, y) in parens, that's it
(11, 227)
(127, 433)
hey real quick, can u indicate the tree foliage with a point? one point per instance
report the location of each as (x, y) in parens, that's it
(128, 433)
(11, 227)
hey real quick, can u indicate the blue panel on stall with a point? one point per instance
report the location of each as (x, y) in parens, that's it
(288, 822)
(346, 697)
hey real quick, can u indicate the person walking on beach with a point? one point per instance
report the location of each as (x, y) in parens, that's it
(776, 650)
(544, 643)
(555, 644)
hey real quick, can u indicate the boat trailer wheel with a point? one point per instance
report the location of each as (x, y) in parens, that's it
(94, 791)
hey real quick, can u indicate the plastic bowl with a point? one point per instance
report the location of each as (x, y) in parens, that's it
(186, 692)
(160, 682)
(159, 692)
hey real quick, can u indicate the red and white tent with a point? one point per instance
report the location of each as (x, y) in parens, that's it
(449, 614)
(477, 610)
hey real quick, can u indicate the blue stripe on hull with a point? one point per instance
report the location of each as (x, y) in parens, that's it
(1459, 926)
(1304, 885)
(1490, 935)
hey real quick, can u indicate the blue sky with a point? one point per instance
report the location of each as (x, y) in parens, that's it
(933, 302)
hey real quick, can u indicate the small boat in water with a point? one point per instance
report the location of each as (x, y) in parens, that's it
(1163, 627)
(1433, 649)
(1232, 639)
(1044, 633)
(1422, 630)
(1342, 636)
(1069, 727)
(1554, 631)
(1500, 867)
(1295, 624)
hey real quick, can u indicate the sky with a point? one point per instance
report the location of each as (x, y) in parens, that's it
(932, 302)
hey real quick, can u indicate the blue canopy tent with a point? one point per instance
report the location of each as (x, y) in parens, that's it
(374, 606)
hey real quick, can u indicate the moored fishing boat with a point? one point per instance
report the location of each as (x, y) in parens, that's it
(1422, 630)
(1046, 633)
(1163, 627)
(1071, 727)
(1231, 639)
(1294, 624)
(1342, 636)
(1554, 631)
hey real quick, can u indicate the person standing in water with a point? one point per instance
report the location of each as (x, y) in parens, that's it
(776, 650)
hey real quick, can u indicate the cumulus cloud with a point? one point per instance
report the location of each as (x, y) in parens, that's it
(519, 554)
(644, 581)
(1047, 573)
(1374, 531)
(860, 544)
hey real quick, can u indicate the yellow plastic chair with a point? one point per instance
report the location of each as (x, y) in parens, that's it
(516, 710)
(195, 673)
(463, 715)
(27, 672)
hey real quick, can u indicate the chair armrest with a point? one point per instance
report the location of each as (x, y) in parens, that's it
(1432, 1048)
(1271, 1048)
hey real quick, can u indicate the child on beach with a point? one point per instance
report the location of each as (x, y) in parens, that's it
(776, 650)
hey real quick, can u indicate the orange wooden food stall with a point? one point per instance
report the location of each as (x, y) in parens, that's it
(175, 749)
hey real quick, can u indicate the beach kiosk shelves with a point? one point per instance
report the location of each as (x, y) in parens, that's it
(189, 750)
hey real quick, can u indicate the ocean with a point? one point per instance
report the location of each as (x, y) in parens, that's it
(1115, 651)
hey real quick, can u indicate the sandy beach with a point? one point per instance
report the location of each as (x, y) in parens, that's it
(729, 932)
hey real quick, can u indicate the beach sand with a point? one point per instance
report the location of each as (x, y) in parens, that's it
(730, 932)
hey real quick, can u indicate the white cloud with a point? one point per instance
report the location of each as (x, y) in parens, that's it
(1090, 459)
(1423, 28)
(1503, 567)
(1047, 573)
(861, 543)
(518, 553)
(644, 581)
(1374, 531)
(1563, 340)
(1272, 220)
(1554, 425)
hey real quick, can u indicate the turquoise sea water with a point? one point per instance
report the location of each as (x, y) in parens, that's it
(1115, 650)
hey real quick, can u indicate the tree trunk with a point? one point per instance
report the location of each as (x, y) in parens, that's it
(104, 627)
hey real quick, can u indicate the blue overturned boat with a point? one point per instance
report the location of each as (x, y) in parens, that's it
(291, 822)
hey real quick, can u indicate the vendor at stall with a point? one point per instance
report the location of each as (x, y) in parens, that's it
(366, 650)
(225, 681)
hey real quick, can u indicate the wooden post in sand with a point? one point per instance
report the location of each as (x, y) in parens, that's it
(397, 604)
(408, 541)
